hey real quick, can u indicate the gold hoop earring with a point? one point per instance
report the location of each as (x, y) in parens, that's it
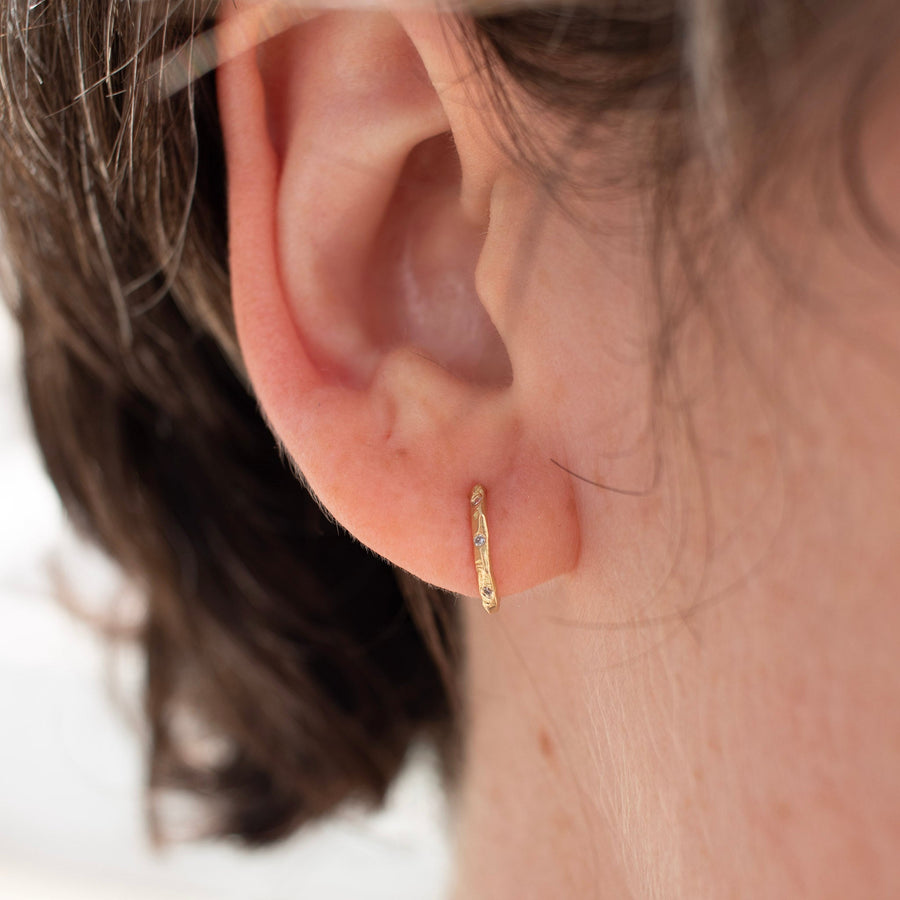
(490, 600)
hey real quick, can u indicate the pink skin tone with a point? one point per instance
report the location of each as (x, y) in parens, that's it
(691, 687)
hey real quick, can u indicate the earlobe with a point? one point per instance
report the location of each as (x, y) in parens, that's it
(353, 280)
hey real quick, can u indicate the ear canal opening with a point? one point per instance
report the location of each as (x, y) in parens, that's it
(423, 265)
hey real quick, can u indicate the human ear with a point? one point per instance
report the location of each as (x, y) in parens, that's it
(359, 192)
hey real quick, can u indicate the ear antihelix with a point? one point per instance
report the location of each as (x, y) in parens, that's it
(423, 271)
(368, 270)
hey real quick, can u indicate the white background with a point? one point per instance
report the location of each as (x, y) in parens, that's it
(70, 760)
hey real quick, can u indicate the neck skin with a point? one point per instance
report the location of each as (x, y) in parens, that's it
(706, 707)
(723, 753)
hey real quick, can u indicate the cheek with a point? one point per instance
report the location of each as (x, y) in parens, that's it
(789, 717)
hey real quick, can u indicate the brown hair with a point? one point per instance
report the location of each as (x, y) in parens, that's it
(264, 621)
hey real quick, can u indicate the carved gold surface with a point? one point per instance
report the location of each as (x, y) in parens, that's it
(481, 543)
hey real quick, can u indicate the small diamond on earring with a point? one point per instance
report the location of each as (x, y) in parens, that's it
(476, 499)
(487, 592)
(479, 540)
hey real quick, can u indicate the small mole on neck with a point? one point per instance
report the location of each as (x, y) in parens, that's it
(545, 743)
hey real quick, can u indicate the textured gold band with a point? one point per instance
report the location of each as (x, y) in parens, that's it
(490, 600)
